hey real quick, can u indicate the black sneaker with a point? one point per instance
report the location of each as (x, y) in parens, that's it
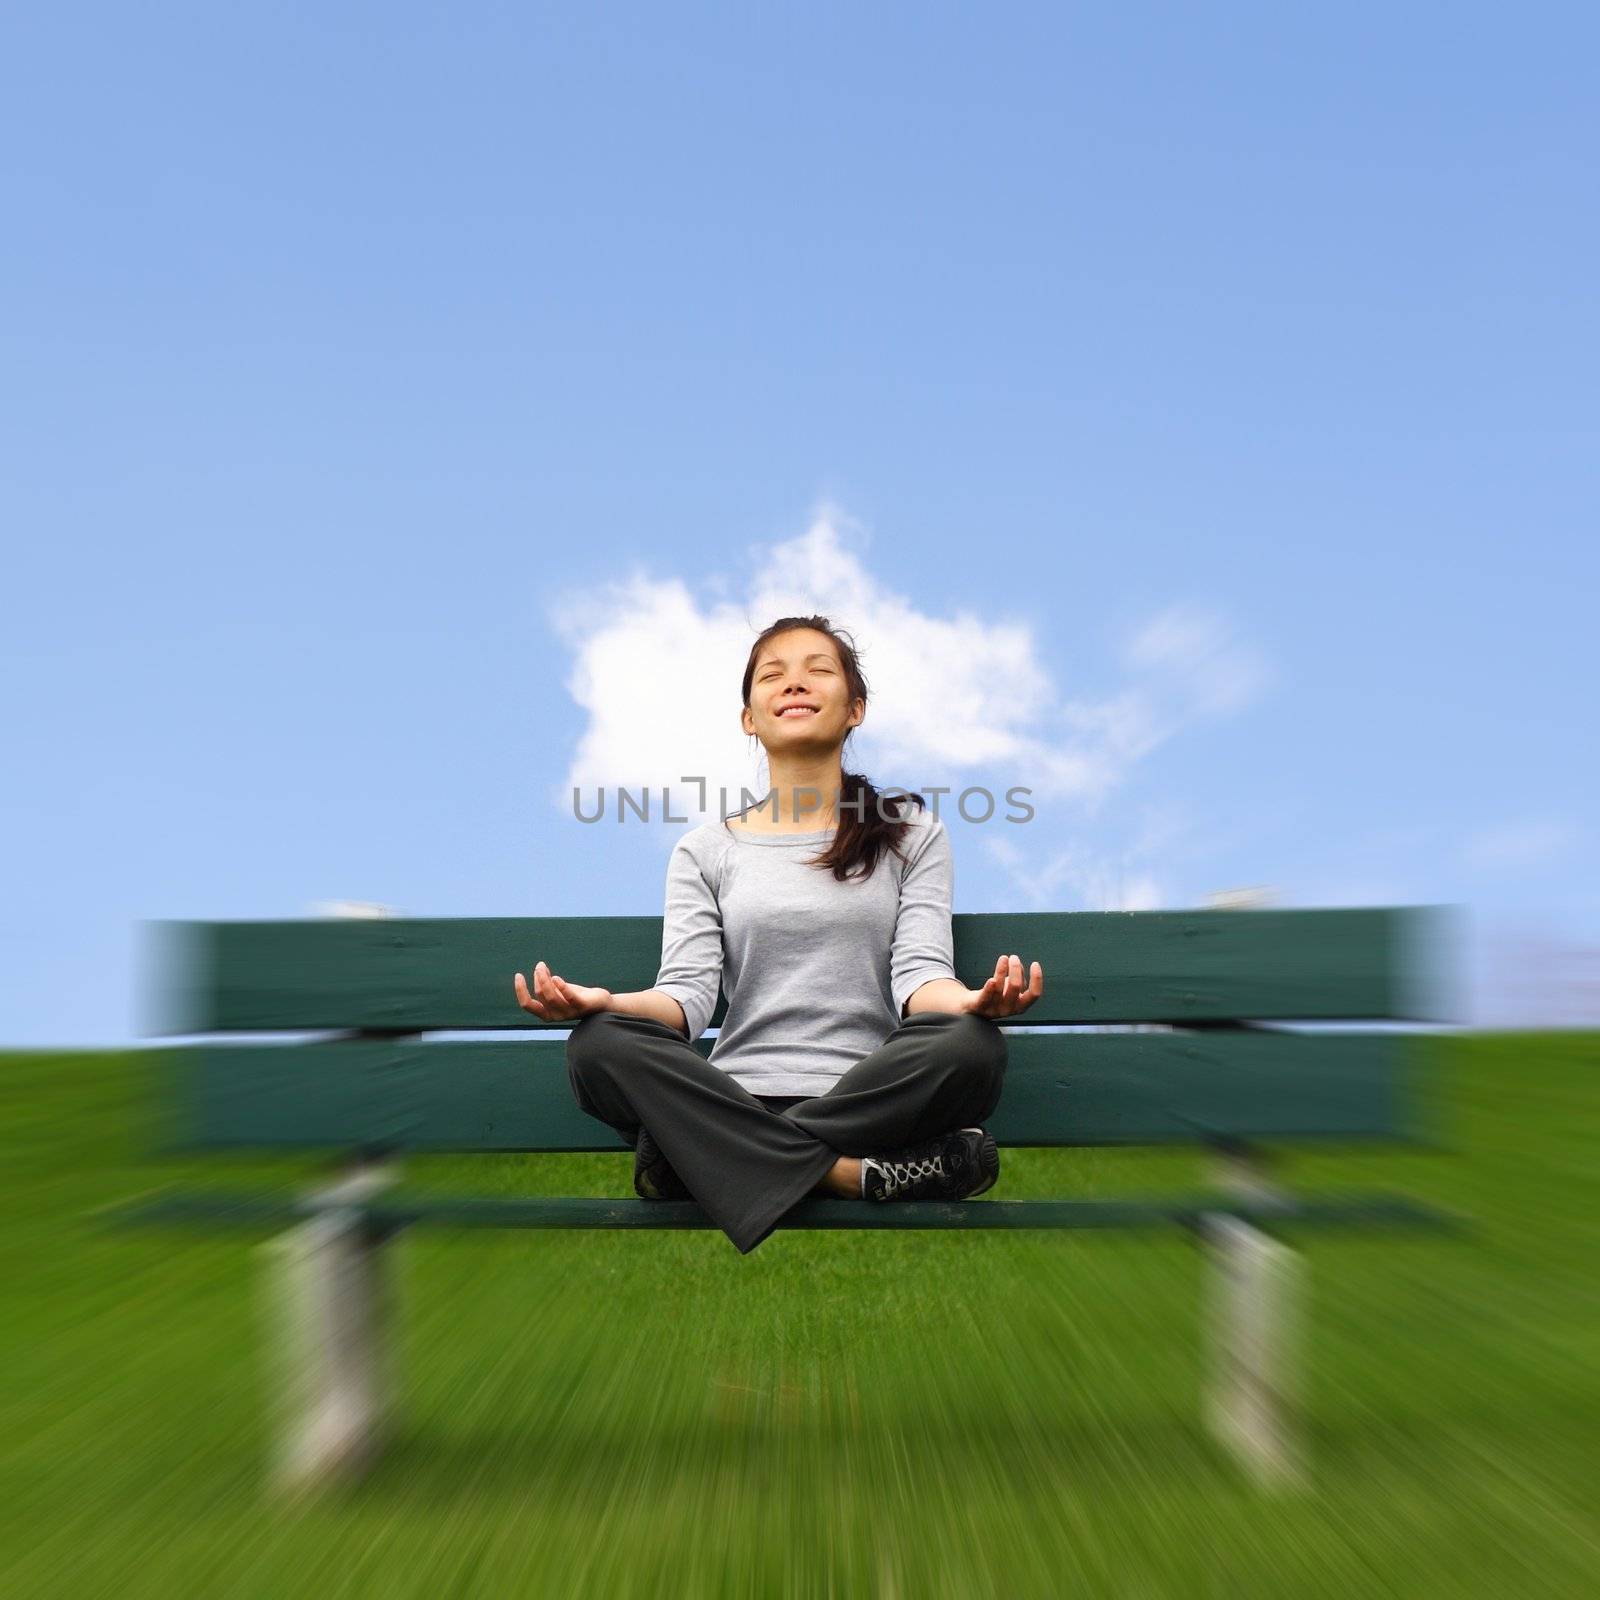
(954, 1166)
(653, 1177)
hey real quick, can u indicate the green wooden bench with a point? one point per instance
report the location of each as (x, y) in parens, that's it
(1216, 1075)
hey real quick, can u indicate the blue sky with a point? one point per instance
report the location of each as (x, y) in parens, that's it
(411, 411)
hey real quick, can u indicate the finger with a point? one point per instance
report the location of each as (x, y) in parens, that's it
(1035, 987)
(526, 1000)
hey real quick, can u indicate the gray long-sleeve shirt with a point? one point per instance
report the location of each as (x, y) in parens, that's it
(816, 971)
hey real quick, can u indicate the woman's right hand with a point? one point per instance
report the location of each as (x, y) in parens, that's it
(556, 1000)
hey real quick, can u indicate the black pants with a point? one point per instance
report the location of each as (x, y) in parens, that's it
(747, 1158)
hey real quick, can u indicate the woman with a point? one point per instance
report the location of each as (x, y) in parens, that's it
(852, 1061)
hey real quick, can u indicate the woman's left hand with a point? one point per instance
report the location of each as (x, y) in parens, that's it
(1003, 995)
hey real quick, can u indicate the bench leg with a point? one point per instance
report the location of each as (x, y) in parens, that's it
(330, 1302)
(1255, 1290)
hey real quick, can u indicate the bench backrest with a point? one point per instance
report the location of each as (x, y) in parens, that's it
(1206, 974)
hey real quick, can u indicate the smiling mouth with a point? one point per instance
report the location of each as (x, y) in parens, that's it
(797, 711)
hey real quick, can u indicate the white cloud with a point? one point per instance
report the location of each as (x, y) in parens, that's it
(1512, 846)
(954, 698)
(1075, 877)
(1192, 654)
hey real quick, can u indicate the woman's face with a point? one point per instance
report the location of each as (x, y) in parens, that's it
(800, 669)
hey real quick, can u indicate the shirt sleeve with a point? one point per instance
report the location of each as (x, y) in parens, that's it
(924, 944)
(691, 941)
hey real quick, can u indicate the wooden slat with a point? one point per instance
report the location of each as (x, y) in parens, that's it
(1100, 967)
(1369, 1210)
(1063, 1089)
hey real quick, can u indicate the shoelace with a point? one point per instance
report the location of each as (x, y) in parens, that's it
(903, 1174)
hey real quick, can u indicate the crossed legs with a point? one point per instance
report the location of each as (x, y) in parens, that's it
(747, 1162)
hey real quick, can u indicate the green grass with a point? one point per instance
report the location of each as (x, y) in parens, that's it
(877, 1414)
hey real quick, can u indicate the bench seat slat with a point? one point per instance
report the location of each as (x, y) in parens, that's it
(399, 1211)
(1062, 1089)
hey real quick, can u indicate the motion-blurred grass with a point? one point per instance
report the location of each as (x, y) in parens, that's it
(849, 1414)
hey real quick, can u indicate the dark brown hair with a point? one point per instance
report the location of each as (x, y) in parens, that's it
(858, 841)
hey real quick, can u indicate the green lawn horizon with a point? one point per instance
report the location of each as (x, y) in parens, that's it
(648, 1413)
